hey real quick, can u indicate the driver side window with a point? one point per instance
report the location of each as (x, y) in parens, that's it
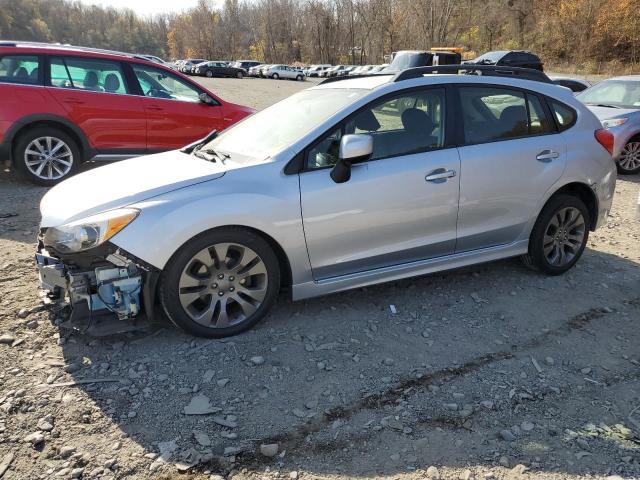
(404, 124)
(161, 84)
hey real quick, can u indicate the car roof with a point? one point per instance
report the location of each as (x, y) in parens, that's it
(635, 78)
(10, 46)
(385, 82)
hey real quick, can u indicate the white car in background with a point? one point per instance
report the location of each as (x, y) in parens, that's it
(315, 70)
(283, 71)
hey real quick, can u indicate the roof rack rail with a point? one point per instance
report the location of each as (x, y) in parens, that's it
(471, 69)
(351, 77)
(16, 43)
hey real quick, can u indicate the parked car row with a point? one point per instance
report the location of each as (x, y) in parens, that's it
(277, 72)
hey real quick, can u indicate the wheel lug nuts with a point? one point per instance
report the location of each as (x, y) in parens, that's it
(243, 281)
(215, 285)
(231, 289)
(221, 276)
(231, 279)
(220, 293)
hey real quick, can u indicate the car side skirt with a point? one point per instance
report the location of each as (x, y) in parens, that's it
(412, 269)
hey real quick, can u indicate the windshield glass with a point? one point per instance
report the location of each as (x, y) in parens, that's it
(619, 93)
(490, 57)
(267, 132)
(404, 60)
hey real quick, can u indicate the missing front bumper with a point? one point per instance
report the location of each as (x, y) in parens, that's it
(106, 298)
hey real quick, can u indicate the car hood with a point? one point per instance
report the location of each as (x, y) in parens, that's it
(123, 183)
(605, 113)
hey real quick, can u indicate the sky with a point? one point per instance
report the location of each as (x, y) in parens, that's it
(146, 7)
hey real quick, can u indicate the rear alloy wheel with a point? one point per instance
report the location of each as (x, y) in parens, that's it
(275, 76)
(209, 74)
(299, 78)
(559, 236)
(221, 283)
(629, 161)
(46, 156)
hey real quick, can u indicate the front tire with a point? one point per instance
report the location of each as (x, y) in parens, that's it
(209, 74)
(239, 75)
(559, 235)
(46, 156)
(300, 78)
(275, 76)
(629, 161)
(220, 283)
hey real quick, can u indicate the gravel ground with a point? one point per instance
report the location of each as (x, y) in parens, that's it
(487, 372)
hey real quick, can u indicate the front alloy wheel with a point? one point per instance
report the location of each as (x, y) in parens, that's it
(221, 283)
(629, 161)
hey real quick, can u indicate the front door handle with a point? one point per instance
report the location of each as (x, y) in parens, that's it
(547, 156)
(155, 108)
(440, 175)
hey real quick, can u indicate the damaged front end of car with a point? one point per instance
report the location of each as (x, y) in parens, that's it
(99, 289)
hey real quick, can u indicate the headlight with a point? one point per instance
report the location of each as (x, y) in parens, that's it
(614, 122)
(89, 232)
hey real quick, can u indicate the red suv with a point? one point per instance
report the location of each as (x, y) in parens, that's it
(62, 105)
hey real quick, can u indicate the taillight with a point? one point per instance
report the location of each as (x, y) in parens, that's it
(605, 138)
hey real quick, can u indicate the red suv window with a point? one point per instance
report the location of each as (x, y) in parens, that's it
(19, 69)
(88, 74)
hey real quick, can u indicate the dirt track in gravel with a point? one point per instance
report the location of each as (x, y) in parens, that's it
(487, 371)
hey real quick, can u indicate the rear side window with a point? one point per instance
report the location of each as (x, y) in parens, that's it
(87, 74)
(23, 69)
(565, 116)
(492, 114)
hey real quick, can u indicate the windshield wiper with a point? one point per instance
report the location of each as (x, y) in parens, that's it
(212, 153)
(606, 105)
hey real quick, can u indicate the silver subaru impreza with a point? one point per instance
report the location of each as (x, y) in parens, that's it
(346, 184)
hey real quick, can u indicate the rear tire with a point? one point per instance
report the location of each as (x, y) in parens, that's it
(300, 78)
(46, 156)
(559, 235)
(239, 75)
(629, 161)
(209, 74)
(220, 283)
(275, 76)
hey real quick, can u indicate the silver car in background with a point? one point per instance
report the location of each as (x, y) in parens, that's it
(277, 72)
(616, 102)
(346, 184)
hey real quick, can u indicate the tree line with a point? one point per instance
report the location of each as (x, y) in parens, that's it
(589, 35)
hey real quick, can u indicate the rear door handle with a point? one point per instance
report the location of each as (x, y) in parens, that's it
(74, 101)
(440, 175)
(547, 156)
(155, 108)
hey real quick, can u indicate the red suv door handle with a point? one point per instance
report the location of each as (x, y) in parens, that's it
(74, 101)
(155, 108)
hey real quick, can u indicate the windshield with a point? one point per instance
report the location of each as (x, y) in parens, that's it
(490, 57)
(267, 132)
(404, 60)
(617, 93)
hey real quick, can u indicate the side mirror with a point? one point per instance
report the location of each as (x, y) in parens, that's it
(353, 148)
(206, 98)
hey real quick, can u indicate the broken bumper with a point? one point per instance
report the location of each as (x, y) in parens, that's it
(116, 290)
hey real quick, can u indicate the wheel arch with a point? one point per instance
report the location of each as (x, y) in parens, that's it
(286, 275)
(584, 193)
(52, 121)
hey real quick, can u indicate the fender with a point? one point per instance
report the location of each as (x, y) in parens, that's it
(7, 145)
